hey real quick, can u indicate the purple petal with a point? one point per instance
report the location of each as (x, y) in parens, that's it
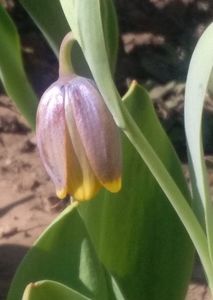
(56, 149)
(97, 130)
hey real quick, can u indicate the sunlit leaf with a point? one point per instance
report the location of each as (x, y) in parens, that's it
(12, 72)
(136, 232)
(196, 86)
(47, 289)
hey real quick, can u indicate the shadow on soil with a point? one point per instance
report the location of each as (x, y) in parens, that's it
(7, 208)
(10, 257)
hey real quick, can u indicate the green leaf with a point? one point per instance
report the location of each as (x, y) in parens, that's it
(65, 254)
(12, 71)
(196, 86)
(116, 289)
(47, 289)
(136, 232)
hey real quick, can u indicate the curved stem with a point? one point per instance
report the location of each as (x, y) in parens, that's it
(172, 191)
(65, 62)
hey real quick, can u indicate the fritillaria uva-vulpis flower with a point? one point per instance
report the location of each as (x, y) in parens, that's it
(77, 138)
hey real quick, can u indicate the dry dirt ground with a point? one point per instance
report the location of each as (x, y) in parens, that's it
(28, 202)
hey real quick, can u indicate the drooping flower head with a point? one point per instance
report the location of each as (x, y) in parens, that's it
(78, 139)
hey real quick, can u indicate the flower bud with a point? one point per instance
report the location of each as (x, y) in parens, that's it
(78, 139)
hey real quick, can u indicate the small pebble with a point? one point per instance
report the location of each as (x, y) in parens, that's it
(6, 232)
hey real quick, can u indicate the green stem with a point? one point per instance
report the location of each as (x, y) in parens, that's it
(172, 191)
(65, 62)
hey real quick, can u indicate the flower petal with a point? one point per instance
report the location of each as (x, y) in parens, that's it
(97, 131)
(54, 143)
(90, 185)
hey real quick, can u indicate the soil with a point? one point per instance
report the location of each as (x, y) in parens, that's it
(157, 38)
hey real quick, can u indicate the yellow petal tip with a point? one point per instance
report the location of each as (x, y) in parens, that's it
(113, 186)
(62, 193)
(87, 191)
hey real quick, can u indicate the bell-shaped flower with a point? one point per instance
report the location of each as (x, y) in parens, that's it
(78, 139)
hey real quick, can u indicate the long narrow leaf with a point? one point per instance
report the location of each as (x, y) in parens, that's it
(12, 71)
(196, 86)
(136, 232)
